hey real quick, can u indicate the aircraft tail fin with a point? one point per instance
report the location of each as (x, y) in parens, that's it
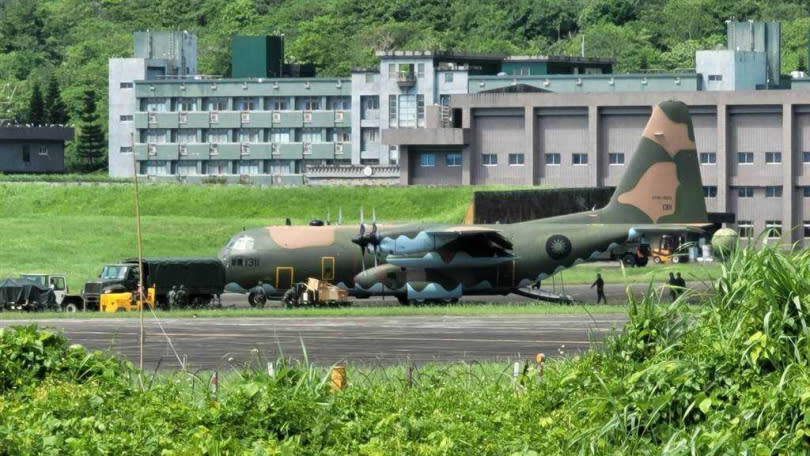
(662, 181)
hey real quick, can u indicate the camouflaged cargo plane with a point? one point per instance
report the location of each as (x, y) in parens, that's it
(661, 191)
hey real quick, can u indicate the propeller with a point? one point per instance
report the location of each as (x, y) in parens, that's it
(365, 240)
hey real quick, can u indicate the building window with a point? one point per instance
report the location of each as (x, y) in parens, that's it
(392, 111)
(773, 157)
(745, 228)
(773, 191)
(489, 159)
(407, 111)
(616, 159)
(125, 85)
(708, 158)
(186, 168)
(715, 77)
(370, 138)
(186, 136)
(156, 136)
(339, 103)
(249, 167)
(806, 157)
(186, 104)
(125, 149)
(216, 104)
(774, 228)
(807, 229)
(155, 104)
(250, 135)
(155, 168)
(427, 160)
(420, 70)
(454, 159)
(247, 104)
(553, 159)
(745, 192)
(125, 118)
(370, 107)
(280, 135)
(710, 191)
(278, 104)
(392, 71)
(579, 159)
(309, 103)
(311, 135)
(341, 135)
(516, 159)
(420, 111)
(218, 167)
(26, 154)
(745, 158)
(370, 78)
(806, 192)
(43, 150)
(448, 77)
(217, 135)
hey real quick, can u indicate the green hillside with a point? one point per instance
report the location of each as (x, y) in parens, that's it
(72, 39)
(76, 229)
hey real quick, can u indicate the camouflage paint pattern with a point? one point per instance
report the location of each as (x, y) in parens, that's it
(660, 189)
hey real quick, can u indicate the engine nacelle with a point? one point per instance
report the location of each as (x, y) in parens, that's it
(390, 276)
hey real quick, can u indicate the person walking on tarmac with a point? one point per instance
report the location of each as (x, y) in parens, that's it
(600, 289)
(671, 284)
(681, 283)
(181, 297)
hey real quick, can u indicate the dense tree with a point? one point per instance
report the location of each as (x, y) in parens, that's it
(72, 39)
(55, 109)
(36, 107)
(91, 144)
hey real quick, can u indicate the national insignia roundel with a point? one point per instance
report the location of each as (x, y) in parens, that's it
(558, 246)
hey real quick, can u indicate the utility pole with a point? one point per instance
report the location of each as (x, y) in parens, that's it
(140, 253)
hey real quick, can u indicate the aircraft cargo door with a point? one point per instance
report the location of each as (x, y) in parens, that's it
(284, 277)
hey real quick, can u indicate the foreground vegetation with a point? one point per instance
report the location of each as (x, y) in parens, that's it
(729, 377)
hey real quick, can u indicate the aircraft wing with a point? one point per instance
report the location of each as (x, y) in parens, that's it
(450, 247)
(695, 228)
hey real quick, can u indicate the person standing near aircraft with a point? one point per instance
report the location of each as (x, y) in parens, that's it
(671, 284)
(600, 288)
(680, 283)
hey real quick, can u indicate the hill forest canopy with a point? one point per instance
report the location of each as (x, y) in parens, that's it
(72, 39)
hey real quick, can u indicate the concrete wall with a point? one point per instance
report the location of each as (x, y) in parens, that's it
(122, 102)
(737, 70)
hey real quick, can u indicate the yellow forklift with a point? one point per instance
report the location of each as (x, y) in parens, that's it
(669, 250)
(125, 301)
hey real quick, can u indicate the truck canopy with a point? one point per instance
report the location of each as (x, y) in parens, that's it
(197, 275)
(21, 291)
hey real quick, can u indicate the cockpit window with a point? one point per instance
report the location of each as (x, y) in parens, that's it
(243, 243)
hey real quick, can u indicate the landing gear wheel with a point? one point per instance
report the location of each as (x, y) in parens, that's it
(252, 299)
(629, 259)
(657, 260)
(403, 300)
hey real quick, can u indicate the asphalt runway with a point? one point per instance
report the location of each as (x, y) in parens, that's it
(222, 343)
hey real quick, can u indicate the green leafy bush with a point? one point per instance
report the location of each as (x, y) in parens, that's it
(729, 376)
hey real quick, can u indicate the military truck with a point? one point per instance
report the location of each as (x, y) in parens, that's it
(203, 280)
(37, 292)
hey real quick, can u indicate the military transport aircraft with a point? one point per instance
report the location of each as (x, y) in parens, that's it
(661, 191)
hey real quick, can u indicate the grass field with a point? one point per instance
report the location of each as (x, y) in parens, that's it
(76, 229)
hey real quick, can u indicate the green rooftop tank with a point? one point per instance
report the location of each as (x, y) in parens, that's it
(257, 56)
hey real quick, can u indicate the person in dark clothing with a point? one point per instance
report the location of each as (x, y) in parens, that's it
(681, 283)
(600, 289)
(671, 284)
